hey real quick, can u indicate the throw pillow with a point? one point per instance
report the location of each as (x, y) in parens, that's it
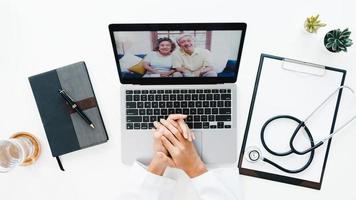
(129, 60)
(138, 68)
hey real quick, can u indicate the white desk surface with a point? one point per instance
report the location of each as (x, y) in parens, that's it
(39, 35)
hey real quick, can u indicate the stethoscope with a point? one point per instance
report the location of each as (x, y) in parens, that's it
(253, 154)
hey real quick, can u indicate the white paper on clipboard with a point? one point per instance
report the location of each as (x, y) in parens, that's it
(283, 89)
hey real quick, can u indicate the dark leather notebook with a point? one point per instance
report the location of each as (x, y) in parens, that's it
(66, 131)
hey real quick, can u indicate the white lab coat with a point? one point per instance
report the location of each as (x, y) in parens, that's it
(211, 185)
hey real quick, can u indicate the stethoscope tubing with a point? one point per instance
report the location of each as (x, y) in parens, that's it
(313, 147)
(292, 149)
(301, 124)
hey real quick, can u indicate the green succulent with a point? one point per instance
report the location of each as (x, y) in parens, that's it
(312, 24)
(337, 40)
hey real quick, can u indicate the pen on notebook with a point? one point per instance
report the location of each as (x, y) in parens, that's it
(75, 107)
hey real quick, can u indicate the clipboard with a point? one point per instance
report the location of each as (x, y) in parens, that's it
(286, 86)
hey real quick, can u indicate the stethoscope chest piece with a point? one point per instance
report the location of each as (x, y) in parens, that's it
(253, 154)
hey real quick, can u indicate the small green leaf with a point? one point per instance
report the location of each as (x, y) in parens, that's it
(329, 35)
(345, 35)
(346, 30)
(333, 46)
(328, 45)
(348, 43)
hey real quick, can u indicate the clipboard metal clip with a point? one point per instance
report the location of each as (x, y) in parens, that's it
(303, 67)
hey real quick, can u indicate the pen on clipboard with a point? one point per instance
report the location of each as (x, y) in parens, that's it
(75, 107)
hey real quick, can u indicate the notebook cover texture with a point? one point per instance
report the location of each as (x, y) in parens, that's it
(66, 131)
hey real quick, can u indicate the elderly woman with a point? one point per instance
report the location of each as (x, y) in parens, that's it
(158, 63)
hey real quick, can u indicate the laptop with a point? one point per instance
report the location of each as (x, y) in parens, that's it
(184, 68)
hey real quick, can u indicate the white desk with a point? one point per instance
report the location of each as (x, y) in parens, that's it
(39, 35)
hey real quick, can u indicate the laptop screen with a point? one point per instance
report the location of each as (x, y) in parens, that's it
(177, 56)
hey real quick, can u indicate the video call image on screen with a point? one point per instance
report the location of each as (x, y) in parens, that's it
(149, 54)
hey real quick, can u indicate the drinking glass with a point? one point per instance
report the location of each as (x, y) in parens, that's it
(21, 149)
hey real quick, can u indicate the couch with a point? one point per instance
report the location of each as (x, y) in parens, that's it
(228, 71)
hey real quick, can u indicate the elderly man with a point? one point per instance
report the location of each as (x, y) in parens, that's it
(190, 61)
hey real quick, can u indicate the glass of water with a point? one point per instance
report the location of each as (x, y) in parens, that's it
(21, 149)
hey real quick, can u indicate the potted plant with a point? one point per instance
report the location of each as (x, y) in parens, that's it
(312, 24)
(337, 40)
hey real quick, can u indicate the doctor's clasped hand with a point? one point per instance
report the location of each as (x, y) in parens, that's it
(173, 147)
(182, 152)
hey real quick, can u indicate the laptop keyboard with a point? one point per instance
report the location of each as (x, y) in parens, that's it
(205, 108)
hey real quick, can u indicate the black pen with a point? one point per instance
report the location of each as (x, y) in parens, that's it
(75, 107)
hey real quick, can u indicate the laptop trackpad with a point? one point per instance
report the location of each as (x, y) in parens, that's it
(198, 141)
(219, 146)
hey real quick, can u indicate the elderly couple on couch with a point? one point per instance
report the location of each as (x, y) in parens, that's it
(188, 61)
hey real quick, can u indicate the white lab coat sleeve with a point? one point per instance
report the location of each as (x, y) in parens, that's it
(143, 185)
(217, 184)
